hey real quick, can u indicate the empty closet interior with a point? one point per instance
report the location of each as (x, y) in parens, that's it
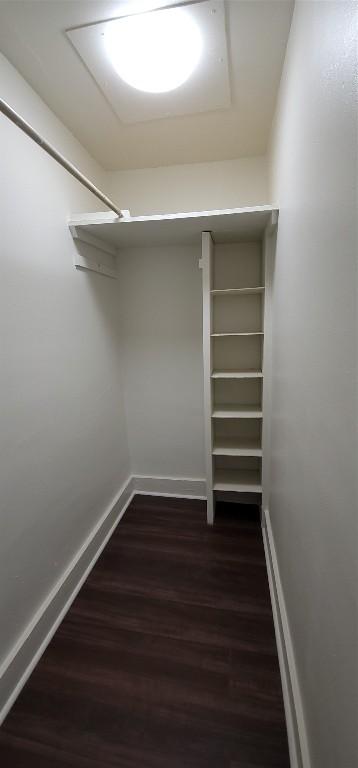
(233, 249)
(179, 320)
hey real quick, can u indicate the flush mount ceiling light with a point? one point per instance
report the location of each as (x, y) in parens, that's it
(154, 52)
(161, 63)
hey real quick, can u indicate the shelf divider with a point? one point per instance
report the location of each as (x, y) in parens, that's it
(237, 480)
(231, 446)
(236, 291)
(234, 374)
(238, 333)
(235, 411)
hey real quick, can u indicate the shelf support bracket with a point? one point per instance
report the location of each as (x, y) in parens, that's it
(83, 258)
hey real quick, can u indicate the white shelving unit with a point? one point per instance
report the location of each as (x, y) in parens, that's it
(235, 319)
(236, 259)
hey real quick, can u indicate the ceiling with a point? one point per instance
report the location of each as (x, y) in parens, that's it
(33, 38)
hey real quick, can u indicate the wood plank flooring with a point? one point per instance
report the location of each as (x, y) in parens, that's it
(167, 657)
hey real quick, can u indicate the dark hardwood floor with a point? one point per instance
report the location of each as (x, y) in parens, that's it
(167, 657)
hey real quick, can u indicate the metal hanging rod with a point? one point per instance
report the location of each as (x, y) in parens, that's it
(30, 131)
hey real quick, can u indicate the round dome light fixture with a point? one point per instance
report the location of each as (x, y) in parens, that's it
(154, 52)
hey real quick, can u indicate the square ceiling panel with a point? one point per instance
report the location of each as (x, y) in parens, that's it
(207, 88)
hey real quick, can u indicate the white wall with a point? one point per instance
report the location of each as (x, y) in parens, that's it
(160, 296)
(313, 501)
(63, 449)
(160, 301)
(192, 187)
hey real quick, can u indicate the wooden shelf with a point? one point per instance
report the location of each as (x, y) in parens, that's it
(234, 411)
(250, 374)
(239, 480)
(236, 446)
(245, 333)
(236, 291)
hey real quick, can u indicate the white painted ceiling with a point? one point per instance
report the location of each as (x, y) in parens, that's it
(33, 38)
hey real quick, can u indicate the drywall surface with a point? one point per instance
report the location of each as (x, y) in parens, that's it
(63, 445)
(313, 500)
(191, 187)
(160, 299)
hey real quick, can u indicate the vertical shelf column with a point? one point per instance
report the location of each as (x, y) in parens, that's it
(269, 251)
(206, 264)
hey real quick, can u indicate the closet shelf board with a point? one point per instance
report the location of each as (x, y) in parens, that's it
(235, 446)
(250, 374)
(236, 291)
(234, 411)
(237, 480)
(246, 333)
(227, 226)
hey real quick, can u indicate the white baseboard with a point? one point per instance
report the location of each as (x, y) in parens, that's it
(20, 662)
(33, 641)
(180, 487)
(296, 729)
(27, 651)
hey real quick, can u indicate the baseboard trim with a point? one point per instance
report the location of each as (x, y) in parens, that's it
(26, 653)
(20, 662)
(180, 487)
(33, 641)
(296, 729)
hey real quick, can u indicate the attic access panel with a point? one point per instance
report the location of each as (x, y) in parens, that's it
(207, 89)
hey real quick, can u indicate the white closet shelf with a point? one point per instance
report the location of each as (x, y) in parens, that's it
(226, 226)
(236, 446)
(239, 480)
(234, 411)
(249, 374)
(236, 291)
(241, 333)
